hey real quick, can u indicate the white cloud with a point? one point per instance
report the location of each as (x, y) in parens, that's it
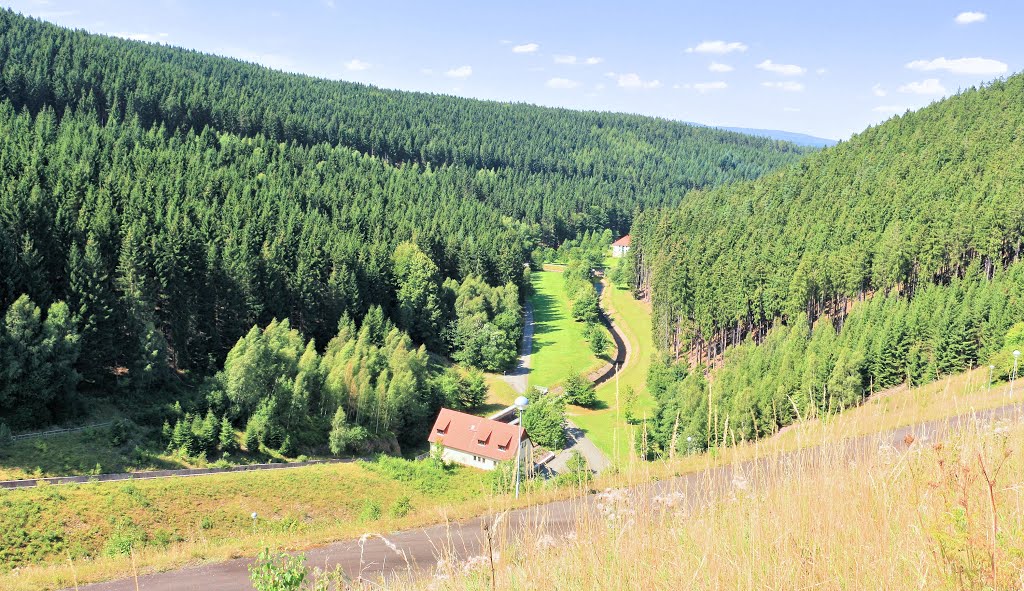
(562, 83)
(929, 86)
(717, 67)
(719, 47)
(781, 69)
(787, 86)
(460, 72)
(703, 87)
(526, 48)
(147, 37)
(966, 18)
(632, 80)
(821, 71)
(877, 90)
(889, 109)
(964, 65)
(357, 65)
(571, 60)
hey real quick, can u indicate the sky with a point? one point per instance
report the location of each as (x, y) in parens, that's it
(828, 69)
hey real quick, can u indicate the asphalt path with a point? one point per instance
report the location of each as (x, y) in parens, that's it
(518, 378)
(418, 551)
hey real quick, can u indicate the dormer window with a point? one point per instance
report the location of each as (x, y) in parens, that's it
(440, 431)
(502, 447)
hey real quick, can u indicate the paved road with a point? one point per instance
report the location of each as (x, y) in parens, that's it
(416, 551)
(519, 377)
(578, 441)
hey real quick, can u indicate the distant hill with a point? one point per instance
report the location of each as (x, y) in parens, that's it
(800, 139)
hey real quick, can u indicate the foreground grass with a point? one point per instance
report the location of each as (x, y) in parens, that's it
(170, 521)
(558, 343)
(947, 516)
(191, 520)
(607, 427)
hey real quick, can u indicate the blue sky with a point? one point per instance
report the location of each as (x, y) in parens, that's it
(824, 68)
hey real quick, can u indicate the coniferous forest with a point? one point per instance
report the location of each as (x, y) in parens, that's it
(892, 258)
(285, 253)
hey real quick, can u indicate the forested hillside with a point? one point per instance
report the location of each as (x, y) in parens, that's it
(157, 204)
(900, 248)
(565, 170)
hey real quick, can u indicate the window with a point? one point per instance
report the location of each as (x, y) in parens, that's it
(440, 431)
(502, 447)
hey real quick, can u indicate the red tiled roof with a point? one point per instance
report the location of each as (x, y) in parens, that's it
(624, 241)
(475, 435)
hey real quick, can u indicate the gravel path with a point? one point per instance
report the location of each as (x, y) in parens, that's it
(519, 377)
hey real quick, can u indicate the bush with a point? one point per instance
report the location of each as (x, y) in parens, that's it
(277, 573)
(401, 507)
(345, 438)
(287, 448)
(252, 438)
(544, 421)
(370, 511)
(126, 537)
(577, 471)
(120, 432)
(579, 390)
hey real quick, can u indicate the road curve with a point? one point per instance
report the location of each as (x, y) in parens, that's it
(416, 551)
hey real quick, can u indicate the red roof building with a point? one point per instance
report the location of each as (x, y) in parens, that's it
(621, 246)
(476, 441)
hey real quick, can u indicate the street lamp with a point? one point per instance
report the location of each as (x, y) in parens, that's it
(1013, 376)
(689, 445)
(991, 368)
(520, 404)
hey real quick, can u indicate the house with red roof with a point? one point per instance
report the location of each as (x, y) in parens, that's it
(621, 246)
(478, 442)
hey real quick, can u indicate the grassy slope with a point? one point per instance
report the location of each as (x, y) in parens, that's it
(924, 520)
(634, 320)
(189, 519)
(309, 506)
(558, 344)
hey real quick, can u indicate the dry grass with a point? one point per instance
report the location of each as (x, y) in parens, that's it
(313, 506)
(947, 516)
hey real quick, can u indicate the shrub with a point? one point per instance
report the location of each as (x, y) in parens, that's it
(579, 390)
(277, 573)
(544, 421)
(120, 432)
(370, 511)
(252, 437)
(345, 438)
(401, 507)
(126, 537)
(287, 448)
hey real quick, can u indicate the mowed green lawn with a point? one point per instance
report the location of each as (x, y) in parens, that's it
(558, 343)
(634, 320)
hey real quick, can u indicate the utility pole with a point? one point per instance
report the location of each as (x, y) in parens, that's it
(520, 404)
